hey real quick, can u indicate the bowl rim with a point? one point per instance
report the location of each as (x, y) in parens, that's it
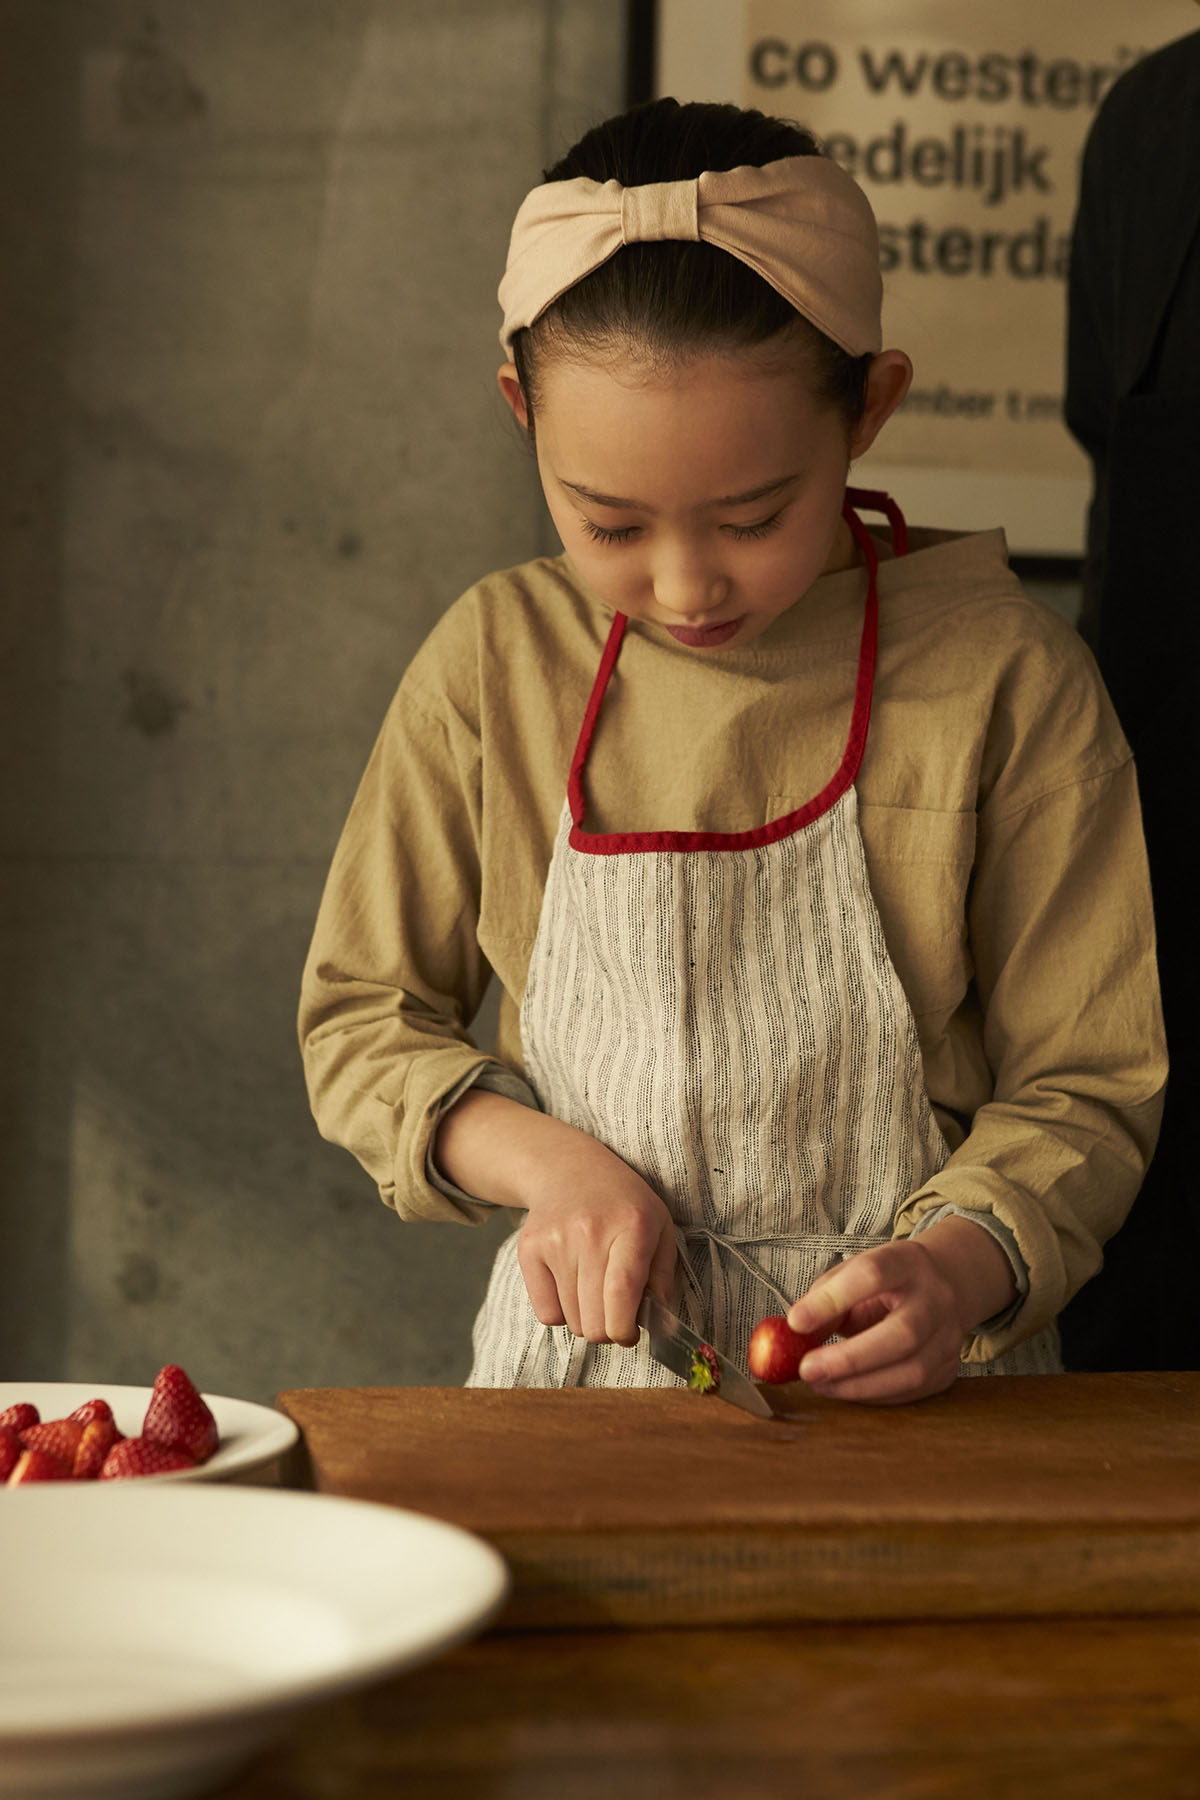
(288, 1693)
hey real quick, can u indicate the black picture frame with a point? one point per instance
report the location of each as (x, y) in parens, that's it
(641, 50)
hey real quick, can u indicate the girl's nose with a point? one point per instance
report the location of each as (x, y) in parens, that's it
(689, 592)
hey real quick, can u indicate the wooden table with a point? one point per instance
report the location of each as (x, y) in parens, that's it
(1100, 1704)
(1006, 1711)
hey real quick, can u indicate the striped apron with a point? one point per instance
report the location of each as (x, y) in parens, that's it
(720, 1009)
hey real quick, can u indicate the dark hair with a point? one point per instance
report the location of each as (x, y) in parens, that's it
(670, 296)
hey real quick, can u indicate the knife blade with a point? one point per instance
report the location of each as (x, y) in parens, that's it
(704, 1369)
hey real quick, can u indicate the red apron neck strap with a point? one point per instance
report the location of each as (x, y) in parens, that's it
(583, 745)
(875, 500)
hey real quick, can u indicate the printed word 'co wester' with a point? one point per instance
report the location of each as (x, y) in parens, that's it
(993, 77)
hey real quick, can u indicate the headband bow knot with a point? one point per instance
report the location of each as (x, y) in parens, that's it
(802, 223)
(661, 209)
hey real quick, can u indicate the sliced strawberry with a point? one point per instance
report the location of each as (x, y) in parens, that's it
(177, 1415)
(97, 1440)
(20, 1417)
(10, 1449)
(142, 1456)
(59, 1436)
(38, 1465)
(92, 1409)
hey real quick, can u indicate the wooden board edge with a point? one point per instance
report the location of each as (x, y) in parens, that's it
(725, 1578)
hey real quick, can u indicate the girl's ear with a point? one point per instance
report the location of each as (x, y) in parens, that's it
(514, 393)
(888, 380)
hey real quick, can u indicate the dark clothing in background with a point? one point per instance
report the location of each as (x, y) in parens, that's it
(1133, 402)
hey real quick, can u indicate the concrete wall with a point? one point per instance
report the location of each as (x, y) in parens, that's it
(251, 448)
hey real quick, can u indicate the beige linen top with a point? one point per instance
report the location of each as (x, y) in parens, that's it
(999, 814)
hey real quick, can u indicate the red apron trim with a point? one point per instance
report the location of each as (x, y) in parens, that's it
(618, 843)
(875, 500)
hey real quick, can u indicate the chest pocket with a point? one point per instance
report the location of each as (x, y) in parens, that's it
(919, 863)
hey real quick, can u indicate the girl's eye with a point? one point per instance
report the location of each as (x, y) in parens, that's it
(622, 533)
(598, 532)
(760, 529)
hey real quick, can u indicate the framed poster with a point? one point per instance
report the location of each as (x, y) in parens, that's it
(964, 125)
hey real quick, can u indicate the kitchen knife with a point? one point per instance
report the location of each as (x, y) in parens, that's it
(704, 1369)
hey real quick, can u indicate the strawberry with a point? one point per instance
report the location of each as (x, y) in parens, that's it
(59, 1436)
(38, 1465)
(92, 1409)
(142, 1456)
(177, 1415)
(776, 1351)
(98, 1439)
(20, 1417)
(10, 1449)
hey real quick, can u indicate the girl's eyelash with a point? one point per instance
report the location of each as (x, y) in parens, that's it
(623, 533)
(607, 537)
(760, 529)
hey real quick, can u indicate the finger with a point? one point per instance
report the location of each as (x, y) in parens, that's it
(862, 1317)
(554, 1279)
(574, 1292)
(903, 1332)
(913, 1329)
(593, 1276)
(863, 1277)
(912, 1379)
(543, 1293)
(624, 1284)
(661, 1279)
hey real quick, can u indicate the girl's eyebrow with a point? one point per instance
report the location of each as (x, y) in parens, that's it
(758, 493)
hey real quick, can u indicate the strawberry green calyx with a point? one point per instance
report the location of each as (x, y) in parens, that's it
(704, 1376)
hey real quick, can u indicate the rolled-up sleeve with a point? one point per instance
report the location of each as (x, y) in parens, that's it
(1062, 937)
(395, 972)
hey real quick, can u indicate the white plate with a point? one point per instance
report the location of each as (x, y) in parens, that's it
(250, 1435)
(153, 1639)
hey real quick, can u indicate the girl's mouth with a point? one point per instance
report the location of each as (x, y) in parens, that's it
(704, 637)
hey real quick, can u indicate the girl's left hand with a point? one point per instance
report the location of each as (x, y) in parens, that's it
(902, 1313)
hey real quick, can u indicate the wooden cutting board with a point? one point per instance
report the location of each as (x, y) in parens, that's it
(1012, 1496)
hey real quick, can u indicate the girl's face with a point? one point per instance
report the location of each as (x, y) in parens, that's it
(702, 500)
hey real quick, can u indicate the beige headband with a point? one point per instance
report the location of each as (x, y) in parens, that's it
(801, 223)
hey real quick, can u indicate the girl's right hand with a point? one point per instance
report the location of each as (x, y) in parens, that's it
(592, 1245)
(597, 1235)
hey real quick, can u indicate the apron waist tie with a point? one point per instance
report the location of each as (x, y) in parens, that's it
(838, 1244)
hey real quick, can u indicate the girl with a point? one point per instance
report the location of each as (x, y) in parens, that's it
(808, 855)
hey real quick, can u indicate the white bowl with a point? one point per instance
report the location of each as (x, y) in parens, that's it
(153, 1636)
(251, 1435)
